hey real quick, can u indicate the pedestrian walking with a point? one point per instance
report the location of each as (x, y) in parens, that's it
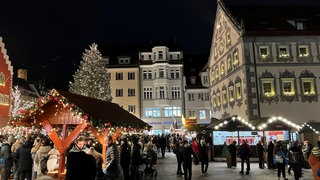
(244, 152)
(203, 156)
(295, 159)
(178, 150)
(187, 155)
(280, 160)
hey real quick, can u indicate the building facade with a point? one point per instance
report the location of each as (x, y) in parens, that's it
(265, 66)
(161, 84)
(6, 74)
(124, 80)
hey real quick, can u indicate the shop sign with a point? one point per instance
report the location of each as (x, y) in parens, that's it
(276, 133)
(191, 121)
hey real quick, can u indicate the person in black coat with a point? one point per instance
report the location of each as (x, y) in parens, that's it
(203, 156)
(125, 158)
(25, 159)
(233, 152)
(136, 160)
(187, 160)
(270, 155)
(260, 152)
(163, 144)
(178, 152)
(80, 165)
(6, 155)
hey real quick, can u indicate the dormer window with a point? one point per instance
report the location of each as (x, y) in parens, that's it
(264, 53)
(283, 52)
(303, 51)
(160, 54)
(300, 26)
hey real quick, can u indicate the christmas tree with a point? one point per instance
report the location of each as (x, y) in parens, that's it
(17, 104)
(92, 79)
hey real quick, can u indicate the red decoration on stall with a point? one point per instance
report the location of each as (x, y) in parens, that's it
(56, 98)
(22, 111)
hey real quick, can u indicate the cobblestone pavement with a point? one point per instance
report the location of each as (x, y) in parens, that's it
(217, 170)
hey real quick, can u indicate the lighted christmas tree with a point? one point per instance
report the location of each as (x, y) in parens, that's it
(17, 104)
(92, 79)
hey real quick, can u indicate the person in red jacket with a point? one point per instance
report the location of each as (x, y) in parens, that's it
(195, 146)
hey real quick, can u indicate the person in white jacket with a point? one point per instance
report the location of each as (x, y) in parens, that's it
(53, 161)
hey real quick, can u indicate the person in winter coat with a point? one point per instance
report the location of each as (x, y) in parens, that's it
(25, 159)
(233, 152)
(178, 149)
(203, 156)
(260, 152)
(41, 153)
(112, 166)
(53, 161)
(80, 165)
(125, 154)
(6, 155)
(281, 161)
(314, 160)
(135, 160)
(244, 152)
(35, 148)
(296, 158)
(270, 155)
(187, 155)
(99, 160)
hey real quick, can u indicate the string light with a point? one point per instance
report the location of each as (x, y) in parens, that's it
(234, 118)
(276, 118)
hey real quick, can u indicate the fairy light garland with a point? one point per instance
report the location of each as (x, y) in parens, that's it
(310, 127)
(234, 118)
(276, 118)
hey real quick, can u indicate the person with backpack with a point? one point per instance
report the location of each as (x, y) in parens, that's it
(295, 160)
(244, 152)
(279, 158)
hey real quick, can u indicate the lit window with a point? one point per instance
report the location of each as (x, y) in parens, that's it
(191, 97)
(217, 72)
(303, 51)
(231, 93)
(214, 101)
(224, 97)
(268, 88)
(308, 88)
(2, 79)
(152, 112)
(192, 115)
(212, 76)
(202, 114)
(229, 63)
(218, 99)
(4, 99)
(228, 38)
(238, 91)
(288, 88)
(222, 70)
(235, 58)
(283, 52)
(172, 111)
(264, 52)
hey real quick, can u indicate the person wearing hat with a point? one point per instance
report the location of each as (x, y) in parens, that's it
(314, 160)
(5, 154)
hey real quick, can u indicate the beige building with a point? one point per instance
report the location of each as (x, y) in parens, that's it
(124, 81)
(264, 62)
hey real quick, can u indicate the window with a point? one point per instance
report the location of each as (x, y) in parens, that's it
(222, 70)
(142, 57)
(228, 38)
(192, 115)
(160, 54)
(235, 58)
(172, 74)
(224, 97)
(175, 92)
(132, 108)
(238, 91)
(2, 79)
(205, 80)
(161, 73)
(147, 74)
(288, 88)
(131, 75)
(212, 76)
(150, 57)
(202, 114)
(119, 92)
(206, 97)
(152, 112)
(308, 87)
(191, 97)
(170, 56)
(264, 52)
(177, 73)
(300, 26)
(229, 64)
(147, 93)
(231, 93)
(131, 92)
(4, 99)
(303, 51)
(119, 76)
(283, 52)
(161, 92)
(214, 100)
(217, 73)
(172, 111)
(218, 99)
(268, 88)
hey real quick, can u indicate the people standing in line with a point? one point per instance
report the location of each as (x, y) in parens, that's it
(6, 155)
(25, 159)
(112, 166)
(233, 152)
(270, 155)
(280, 160)
(187, 155)
(203, 156)
(244, 152)
(80, 165)
(125, 153)
(295, 159)
(314, 160)
(260, 152)
(135, 160)
(178, 150)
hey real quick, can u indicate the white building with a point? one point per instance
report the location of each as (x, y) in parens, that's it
(161, 72)
(265, 61)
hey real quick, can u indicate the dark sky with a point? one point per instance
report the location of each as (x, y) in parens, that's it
(49, 37)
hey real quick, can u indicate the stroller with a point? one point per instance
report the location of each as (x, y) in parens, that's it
(149, 160)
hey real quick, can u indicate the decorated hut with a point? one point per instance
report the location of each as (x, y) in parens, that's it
(310, 131)
(71, 114)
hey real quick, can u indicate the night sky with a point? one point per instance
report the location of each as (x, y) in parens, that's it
(49, 37)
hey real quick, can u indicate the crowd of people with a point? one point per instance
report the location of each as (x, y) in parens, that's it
(279, 155)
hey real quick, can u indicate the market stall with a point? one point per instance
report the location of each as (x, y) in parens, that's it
(310, 131)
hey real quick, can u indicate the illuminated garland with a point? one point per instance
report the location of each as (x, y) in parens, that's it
(234, 118)
(275, 118)
(310, 127)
